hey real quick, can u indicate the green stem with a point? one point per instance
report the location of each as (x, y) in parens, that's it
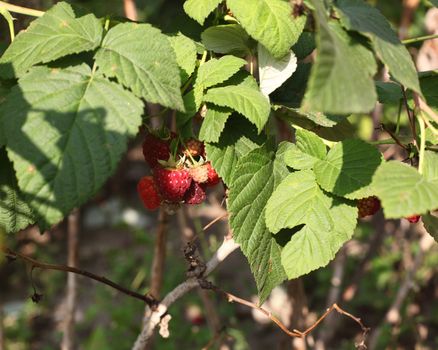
(420, 38)
(8, 17)
(422, 143)
(21, 10)
(400, 106)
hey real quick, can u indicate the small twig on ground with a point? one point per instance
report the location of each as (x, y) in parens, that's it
(72, 260)
(12, 255)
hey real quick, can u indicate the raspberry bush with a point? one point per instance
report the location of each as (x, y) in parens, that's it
(263, 105)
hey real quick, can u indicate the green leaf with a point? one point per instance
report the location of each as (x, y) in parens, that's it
(338, 132)
(213, 123)
(329, 222)
(15, 214)
(359, 16)
(256, 176)
(200, 9)
(274, 72)
(342, 65)
(142, 59)
(389, 92)
(431, 167)
(308, 149)
(56, 34)
(318, 118)
(298, 200)
(403, 191)
(247, 101)
(216, 71)
(185, 51)
(305, 45)
(270, 22)
(227, 39)
(429, 87)
(430, 223)
(191, 108)
(348, 169)
(312, 247)
(237, 139)
(66, 131)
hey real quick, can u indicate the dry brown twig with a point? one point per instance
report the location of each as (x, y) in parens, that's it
(292, 333)
(12, 255)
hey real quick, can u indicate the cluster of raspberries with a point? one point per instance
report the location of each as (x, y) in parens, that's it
(180, 172)
(371, 205)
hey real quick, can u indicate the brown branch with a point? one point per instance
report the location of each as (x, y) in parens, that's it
(72, 260)
(211, 223)
(153, 317)
(292, 333)
(44, 266)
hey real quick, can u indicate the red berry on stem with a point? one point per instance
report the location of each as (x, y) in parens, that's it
(195, 194)
(148, 193)
(155, 149)
(213, 177)
(199, 173)
(368, 206)
(413, 219)
(172, 183)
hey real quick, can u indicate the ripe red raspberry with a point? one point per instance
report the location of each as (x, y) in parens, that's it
(172, 183)
(155, 149)
(213, 177)
(199, 173)
(368, 206)
(194, 147)
(148, 193)
(195, 194)
(413, 219)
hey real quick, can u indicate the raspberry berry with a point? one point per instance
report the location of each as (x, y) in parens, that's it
(148, 193)
(155, 149)
(413, 219)
(195, 194)
(199, 173)
(172, 183)
(368, 206)
(213, 177)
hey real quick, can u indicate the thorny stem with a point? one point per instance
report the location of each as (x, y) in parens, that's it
(20, 9)
(41, 265)
(420, 38)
